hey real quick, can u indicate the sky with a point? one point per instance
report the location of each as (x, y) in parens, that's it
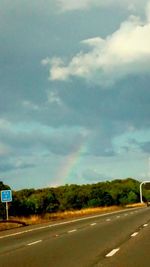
(74, 91)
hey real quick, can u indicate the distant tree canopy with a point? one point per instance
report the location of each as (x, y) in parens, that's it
(73, 197)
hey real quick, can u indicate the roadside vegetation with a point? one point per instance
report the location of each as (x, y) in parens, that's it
(68, 201)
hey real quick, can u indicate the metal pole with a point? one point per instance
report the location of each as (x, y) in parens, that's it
(144, 182)
(141, 199)
(7, 211)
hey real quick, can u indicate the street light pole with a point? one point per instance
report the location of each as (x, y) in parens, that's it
(141, 197)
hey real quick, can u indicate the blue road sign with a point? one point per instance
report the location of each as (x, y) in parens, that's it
(6, 196)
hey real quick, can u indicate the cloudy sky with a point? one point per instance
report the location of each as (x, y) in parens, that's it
(74, 91)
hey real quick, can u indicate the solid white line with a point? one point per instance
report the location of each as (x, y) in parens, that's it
(35, 242)
(63, 223)
(23, 232)
(134, 234)
(92, 224)
(72, 231)
(146, 224)
(113, 252)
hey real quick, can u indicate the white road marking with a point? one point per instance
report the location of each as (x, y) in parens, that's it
(108, 220)
(35, 242)
(146, 224)
(92, 224)
(63, 223)
(113, 252)
(134, 234)
(72, 231)
(118, 216)
(23, 232)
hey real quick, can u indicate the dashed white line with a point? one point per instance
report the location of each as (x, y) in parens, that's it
(92, 224)
(113, 252)
(72, 231)
(134, 234)
(146, 224)
(108, 220)
(118, 216)
(35, 242)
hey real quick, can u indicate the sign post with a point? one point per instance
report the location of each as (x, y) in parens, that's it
(7, 211)
(6, 196)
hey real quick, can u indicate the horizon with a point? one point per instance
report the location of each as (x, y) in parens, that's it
(63, 185)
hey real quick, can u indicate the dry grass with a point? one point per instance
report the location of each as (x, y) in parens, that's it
(136, 205)
(80, 213)
(37, 219)
(8, 225)
(33, 219)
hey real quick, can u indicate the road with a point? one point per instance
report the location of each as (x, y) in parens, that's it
(118, 239)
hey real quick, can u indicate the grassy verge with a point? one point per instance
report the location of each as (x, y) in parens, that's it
(80, 213)
(9, 225)
(136, 205)
(50, 217)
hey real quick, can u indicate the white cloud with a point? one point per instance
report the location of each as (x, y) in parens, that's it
(125, 52)
(148, 11)
(30, 105)
(53, 98)
(67, 5)
(73, 4)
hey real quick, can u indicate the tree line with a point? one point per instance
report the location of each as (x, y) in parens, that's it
(73, 197)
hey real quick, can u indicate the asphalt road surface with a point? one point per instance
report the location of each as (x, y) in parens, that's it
(118, 239)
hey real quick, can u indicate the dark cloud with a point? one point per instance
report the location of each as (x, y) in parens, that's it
(58, 141)
(145, 146)
(105, 114)
(11, 166)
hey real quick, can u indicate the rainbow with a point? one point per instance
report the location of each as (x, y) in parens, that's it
(71, 163)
